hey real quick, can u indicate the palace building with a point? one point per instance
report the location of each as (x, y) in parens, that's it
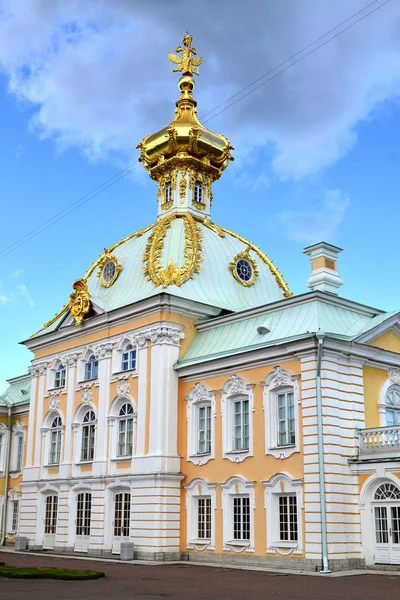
(183, 399)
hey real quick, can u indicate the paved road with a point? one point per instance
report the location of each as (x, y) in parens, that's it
(181, 582)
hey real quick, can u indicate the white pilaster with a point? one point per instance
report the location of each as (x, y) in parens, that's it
(69, 361)
(39, 415)
(142, 361)
(103, 355)
(33, 371)
(164, 391)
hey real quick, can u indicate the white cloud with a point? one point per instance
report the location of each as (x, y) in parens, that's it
(5, 297)
(23, 290)
(18, 273)
(97, 72)
(316, 223)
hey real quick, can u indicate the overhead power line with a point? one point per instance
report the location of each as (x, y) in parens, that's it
(261, 81)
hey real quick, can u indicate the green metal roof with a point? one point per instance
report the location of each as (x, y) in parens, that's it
(18, 392)
(284, 324)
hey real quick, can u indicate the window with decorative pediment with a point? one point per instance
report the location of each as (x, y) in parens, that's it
(283, 506)
(123, 424)
(281, 413)
(91, 368)
(237, 419)
(392, 406)
(200, 414)
(200, 514)
(238, 505)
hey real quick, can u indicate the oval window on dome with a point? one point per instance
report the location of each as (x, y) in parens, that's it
(109, 270)
(244, 268)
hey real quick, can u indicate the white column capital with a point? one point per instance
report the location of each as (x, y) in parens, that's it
(69, 360)
(103, 351)
(160, 335)
(37, 369)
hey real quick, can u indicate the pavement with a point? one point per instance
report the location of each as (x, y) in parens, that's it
(182, 581)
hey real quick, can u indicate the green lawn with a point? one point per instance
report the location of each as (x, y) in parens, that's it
(47, 573)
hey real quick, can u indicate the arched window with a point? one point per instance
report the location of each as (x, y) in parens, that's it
(128, 358)
(88, 435)
(198, 191)
(91, 368)
(59, 378)
(168, 192)
(387, 491)
(392, 405)
(125, 430)
(55, 441)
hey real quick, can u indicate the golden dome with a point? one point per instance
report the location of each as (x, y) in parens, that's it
(185, 140)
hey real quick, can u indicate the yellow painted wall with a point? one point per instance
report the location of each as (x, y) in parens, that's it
(257, 468)
(373, 381)
(388, 341)
(87, 339)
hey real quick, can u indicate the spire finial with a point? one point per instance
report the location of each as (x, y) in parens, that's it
(187, 63)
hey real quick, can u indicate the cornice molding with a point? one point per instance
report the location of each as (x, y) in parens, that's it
(155, 304)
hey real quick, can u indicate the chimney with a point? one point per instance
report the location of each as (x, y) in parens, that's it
(324, 275)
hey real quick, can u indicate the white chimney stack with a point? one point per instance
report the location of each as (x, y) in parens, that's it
(324, 275)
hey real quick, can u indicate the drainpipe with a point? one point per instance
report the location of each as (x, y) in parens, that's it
(321, 470)
(7, 472)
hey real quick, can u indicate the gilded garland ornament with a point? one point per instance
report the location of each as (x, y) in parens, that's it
(172, 274)
(244, 268)
(79, 301)
(109, 268)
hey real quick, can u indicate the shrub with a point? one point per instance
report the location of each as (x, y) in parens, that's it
(48, 573)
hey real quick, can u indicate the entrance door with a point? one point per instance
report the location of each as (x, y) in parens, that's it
(83, 514)
(122, 515)
(387, 534)
(50, 522)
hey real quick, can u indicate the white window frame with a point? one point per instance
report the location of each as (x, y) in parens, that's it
(234, 487)
(199, 488)
(200, 396)
(125, 418)
(60, 369)
(198, 191)
(58, 441)
(280, 381)
(236, 388)
(77, 427)
(118, 353)
(282, 484)
(93, 364)
(89, 425)
(13, 496)
(113, 419)
(18, 431)
(383, 406)
(5, 434)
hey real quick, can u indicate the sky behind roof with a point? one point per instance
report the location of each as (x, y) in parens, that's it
(316, 147)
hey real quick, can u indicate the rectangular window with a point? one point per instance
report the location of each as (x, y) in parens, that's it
(83, 513)
(88, 433)
(122, 514)
(288, 518)
(125, 437)
(241, 518)
(286, 420)
(204, 430)
(204, 518)
(59, 380)
(50, 521)
(241, 425)
(15, 514)
(55, 447)
(20, 448)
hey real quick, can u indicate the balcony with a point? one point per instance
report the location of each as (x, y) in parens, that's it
(379, 443)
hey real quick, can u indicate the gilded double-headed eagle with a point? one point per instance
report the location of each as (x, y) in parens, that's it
(187, 63)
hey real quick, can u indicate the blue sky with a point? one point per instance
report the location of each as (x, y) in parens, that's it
(304, 170)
